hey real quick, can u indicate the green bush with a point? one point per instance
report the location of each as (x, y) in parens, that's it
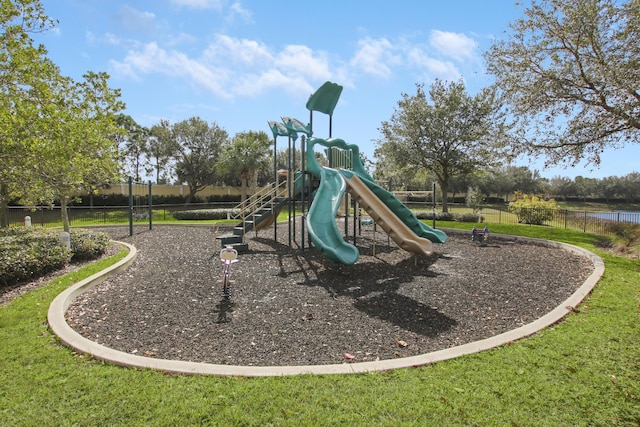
(88, 244)
(28, 253)
(25, 255)
(204, 214)
(532, 210)
(442, 216)
(469, 217)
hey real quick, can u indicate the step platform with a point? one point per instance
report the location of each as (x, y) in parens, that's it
(233, 240)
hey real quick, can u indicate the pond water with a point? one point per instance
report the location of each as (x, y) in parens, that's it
(619, 216)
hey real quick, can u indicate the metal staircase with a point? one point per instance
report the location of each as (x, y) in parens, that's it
(258, 211)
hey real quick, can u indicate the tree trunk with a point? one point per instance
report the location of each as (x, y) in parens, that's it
(4, 205)
(64, 213)
(444, 186)
(192, 193)
(254, 181)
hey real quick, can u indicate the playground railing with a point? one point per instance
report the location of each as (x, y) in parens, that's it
(256, 201)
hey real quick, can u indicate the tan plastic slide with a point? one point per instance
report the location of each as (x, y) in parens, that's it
(385, 218)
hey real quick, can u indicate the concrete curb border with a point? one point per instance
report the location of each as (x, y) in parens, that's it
(71, 338)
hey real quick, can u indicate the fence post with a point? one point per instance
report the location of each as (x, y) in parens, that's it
(584, 230)
(130, 206)
(150, 206)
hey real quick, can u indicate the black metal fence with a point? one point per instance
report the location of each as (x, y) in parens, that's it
(80, 216)
(581, 220)
(596, 222)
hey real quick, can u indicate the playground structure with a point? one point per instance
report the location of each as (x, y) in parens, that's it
(320, 191)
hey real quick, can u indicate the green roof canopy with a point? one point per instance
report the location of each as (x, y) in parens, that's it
(295, 125)
(325, 98)
(278, 129)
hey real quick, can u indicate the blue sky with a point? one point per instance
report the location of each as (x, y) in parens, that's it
(242, 63)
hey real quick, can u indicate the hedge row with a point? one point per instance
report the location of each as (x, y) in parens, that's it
(203, 214)
(28, 253)
(448, 216)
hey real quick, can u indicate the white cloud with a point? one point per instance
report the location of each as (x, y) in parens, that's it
(252, 85)
(231, 67)
(375, 57)
(199, 4)
(301, 60)
(153, 59)
(122, 70)
(135, 20)
(239, 51)
(455, 45)
(181, 38)
(432, 67)
(238, 10)
(111, 40)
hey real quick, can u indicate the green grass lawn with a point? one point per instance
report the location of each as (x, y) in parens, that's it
(583, 371)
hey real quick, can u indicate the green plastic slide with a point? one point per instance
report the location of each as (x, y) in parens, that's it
(321, 219)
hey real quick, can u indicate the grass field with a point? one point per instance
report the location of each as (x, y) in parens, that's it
(583, 371)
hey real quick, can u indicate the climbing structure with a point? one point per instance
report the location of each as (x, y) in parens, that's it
(323, 189)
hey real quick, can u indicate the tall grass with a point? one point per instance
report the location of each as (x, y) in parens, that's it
(583, 371)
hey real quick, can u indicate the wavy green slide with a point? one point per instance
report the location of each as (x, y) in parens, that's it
(321, 219)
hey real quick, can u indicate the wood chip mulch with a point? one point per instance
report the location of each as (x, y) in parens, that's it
(294, 307)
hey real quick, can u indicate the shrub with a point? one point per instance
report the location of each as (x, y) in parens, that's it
(469, 217)
(442, 216)
(27, 253)
(88, 244)
(626, 237)
(205, 214)
(474, 199)
(531, 209)
(445, 216)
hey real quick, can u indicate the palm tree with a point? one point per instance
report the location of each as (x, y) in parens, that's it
(246, 154)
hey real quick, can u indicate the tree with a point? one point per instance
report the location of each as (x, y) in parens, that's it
(133, 142)
(475, 200)
(455, 135)
(585, 187)
(562, 186)
(25, 76)
(607, 188)
(569, 71)
(631, 187)
(245, 155)
(499, 182)
(77, 149)
(161, 148)
(198, 147)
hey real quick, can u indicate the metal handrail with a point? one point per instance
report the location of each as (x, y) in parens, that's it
(257, 200)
